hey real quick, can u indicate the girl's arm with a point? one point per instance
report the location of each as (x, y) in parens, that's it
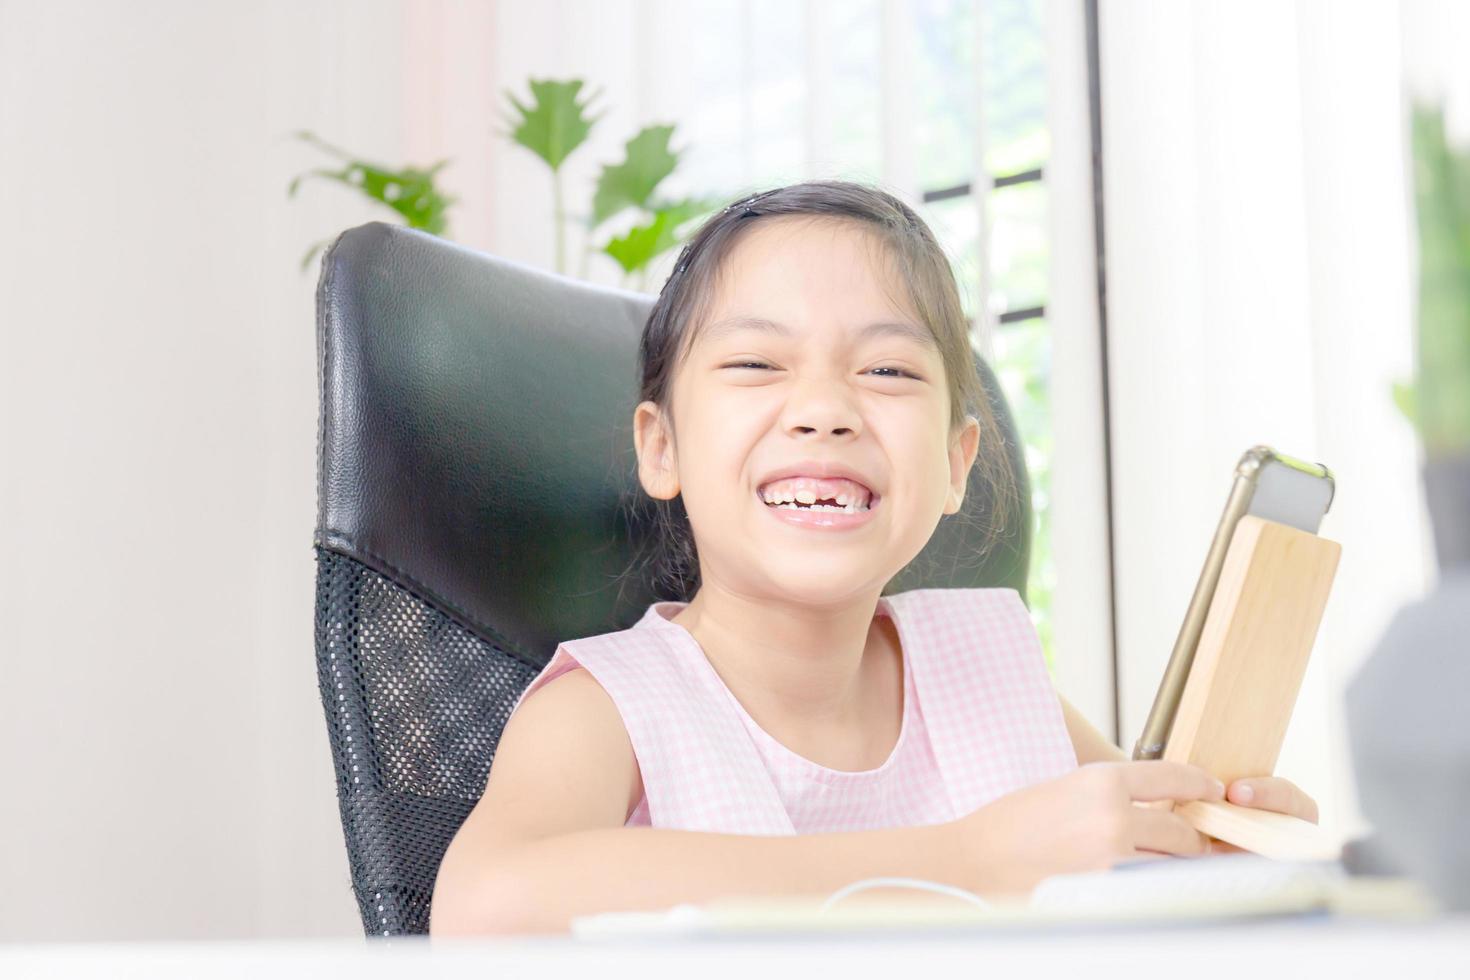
(547, 840)
(1089, 743)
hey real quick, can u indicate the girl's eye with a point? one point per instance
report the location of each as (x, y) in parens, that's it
(898, 372)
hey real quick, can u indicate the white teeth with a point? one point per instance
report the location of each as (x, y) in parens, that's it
(846, 502)
(808, 500)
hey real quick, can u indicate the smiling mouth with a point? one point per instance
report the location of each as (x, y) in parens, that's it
(820, 506)
(810, 496)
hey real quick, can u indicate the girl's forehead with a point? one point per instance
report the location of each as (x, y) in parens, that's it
(795, 263)
(769, 243)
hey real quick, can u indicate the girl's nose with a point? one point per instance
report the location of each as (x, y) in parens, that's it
(821, 408)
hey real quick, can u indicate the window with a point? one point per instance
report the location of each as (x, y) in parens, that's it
(809, 100)
(1002, 274)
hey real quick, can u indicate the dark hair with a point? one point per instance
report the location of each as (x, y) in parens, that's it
(922, 265)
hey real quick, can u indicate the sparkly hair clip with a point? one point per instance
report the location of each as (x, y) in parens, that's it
(746, 211)
(682, 263)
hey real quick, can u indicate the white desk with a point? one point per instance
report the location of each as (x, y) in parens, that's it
(1299, 948)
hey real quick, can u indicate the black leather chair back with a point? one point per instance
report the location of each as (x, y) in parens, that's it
(477, 504)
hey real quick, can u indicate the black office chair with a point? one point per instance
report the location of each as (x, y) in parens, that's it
(477, 504)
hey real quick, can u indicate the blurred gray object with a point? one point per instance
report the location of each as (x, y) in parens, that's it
(1447, 493)
(1408, 713)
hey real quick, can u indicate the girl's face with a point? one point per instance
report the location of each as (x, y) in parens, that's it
(789, 374)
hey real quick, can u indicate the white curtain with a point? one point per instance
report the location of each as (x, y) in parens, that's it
(1258, 248)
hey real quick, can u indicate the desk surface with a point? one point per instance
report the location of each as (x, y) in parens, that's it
(1298, 947)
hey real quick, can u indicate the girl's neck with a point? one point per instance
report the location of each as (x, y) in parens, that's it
(792, 666)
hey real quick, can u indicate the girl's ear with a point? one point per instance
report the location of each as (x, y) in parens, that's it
(658, 469)
(962, 452)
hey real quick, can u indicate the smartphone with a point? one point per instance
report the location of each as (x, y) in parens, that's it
(1269, 485)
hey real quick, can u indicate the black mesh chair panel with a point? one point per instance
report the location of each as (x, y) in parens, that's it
(415, 705)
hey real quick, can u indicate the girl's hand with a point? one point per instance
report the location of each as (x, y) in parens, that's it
(1088, 820)
(1267, 793)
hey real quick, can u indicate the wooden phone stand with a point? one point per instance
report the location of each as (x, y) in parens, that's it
(1244, 680)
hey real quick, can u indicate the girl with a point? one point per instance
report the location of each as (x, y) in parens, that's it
(810, 397)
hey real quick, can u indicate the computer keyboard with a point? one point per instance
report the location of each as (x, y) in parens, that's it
(1206, 886)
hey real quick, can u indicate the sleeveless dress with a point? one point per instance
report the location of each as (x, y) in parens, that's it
(981, 718)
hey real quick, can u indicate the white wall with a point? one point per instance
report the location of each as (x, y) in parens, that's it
(165, 757)
(1259, 292)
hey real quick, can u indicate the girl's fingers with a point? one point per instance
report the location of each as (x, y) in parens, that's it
(1160, 830)
(1160, 779)
(1273, 793)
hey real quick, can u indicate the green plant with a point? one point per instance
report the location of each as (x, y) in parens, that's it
(1438, 401)
(647, 160)
(554, 124)
(552, 127)
(410, 192)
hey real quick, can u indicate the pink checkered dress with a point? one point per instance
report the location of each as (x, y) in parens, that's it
(980, 719)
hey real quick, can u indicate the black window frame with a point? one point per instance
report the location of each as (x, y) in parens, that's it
(1035, 175)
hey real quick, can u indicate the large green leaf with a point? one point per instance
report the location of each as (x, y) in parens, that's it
(646, 242)
(631, 183)
(555, 123)
(410, 192)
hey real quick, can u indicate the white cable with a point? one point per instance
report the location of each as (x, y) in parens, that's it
(919, 883)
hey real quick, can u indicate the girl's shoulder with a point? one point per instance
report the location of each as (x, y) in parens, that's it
(564, 759)
(992, 710)
(997, 602)
(597, 654)
(626, 662)
(975, 625)
(983, 593)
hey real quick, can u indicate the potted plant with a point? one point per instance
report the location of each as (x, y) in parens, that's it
(1438, 403)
